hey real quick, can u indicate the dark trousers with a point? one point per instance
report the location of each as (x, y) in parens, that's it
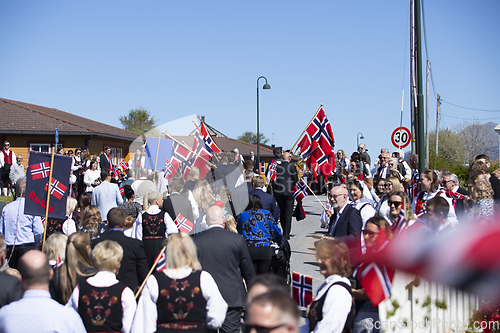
(285, 203)
(19, 250)
(232, 323)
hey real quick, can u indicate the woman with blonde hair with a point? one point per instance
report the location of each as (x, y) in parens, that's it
(202, 194)
(332, 306)
(91, 222)
(230, 223)
(481, 194)
(55, 249)
(116, 301)
(77, 264)
(153, 226)
(180, 288)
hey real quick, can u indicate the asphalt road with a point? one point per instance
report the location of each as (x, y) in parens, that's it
(302, 237)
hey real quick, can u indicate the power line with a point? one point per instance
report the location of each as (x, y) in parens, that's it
(442, 114)
(464, 107)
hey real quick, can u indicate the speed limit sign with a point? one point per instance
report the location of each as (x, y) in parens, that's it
(401, 137)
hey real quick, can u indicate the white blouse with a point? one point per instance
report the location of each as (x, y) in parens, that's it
(153, 209)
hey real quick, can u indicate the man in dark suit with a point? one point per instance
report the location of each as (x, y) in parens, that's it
(225, 256)
(383, 170)
(133, 267)
(286, 178)
(268, 201)
(11, 289)
(255, 165)
(176, 203)
(345, 220)
(105, 159)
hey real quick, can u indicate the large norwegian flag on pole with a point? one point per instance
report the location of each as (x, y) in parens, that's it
(320, 132)
(302, 289)
(37, 177)
(180, 158)
(209, 142)
(201, 155)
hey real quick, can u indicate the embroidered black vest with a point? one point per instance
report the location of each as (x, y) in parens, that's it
(54, 225)
(101, 307)
(180, 304)
(315, 311)
(153, 226)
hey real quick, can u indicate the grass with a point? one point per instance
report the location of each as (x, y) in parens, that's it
(6, 199)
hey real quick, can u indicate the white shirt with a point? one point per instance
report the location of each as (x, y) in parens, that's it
(452, 217)
(153, 209)
(147, 315)
(107, 279)
(366, 210)
(336, 308)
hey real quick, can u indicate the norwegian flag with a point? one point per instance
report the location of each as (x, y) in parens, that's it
(201, 155)
(115, 172)
(122, 191)
(124, 165)
(161, 261)
(376, 280)
(183, 224)
(57, 189)
(300, 190)
(320, 132)
(180, 158)
(40, 170)
(209, 142)
(302, 289)
(271, 171)
(169, 170)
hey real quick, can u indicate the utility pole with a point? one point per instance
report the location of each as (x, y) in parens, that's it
(437, 124)
(427, 118)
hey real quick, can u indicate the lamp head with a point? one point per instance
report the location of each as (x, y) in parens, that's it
(266, 86)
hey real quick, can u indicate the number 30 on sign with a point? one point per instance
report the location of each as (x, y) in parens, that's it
(401, 137)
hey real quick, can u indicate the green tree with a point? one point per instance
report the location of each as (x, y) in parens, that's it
(251, 137)
(137, 120)
(451, 153)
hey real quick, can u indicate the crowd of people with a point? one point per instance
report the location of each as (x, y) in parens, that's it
(137, 253)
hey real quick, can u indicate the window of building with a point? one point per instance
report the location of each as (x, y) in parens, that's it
(43, 147)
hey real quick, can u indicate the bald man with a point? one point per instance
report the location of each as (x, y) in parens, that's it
(36, 311)
(225, 256)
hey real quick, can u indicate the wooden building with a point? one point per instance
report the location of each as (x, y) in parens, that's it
(32, 127)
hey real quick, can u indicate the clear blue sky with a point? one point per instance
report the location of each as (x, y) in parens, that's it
(99, 59)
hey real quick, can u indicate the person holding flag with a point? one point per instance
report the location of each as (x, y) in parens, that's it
(375, 280)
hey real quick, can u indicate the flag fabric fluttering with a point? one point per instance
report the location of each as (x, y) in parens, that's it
(161, 264)
(376, 280)
(209, 142)
(201, 155)
(180, 158)
(169, 170)
(124, 165)
(320, 132)
(183, 224)
(302, 289)
(300, 190)
(271, 171)
(57, 189)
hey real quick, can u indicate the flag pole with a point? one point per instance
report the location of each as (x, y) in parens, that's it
(49, 187)
(324, 207)
(150, 272)
(156, 161)
(189, 148)
(307, 126)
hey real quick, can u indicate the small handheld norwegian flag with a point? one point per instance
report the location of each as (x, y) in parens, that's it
(302, 289)
(183, 224)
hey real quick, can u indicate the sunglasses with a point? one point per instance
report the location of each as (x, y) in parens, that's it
(369, 234)
(395, 203)
(246, 328)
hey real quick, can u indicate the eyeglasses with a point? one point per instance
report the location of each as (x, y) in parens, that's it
(6, 145)
(246, 328)
(334, 195)
(444, 182)
(383, 158)
(395, 203)
(391, 164)
(388, 185)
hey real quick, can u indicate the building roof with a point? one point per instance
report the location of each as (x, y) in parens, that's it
(228, 144)
(24, 118)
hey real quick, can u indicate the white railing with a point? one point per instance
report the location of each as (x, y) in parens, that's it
(418, 305)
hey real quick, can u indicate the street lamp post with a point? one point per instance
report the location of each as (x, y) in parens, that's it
(266, 86)
(358, 138)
